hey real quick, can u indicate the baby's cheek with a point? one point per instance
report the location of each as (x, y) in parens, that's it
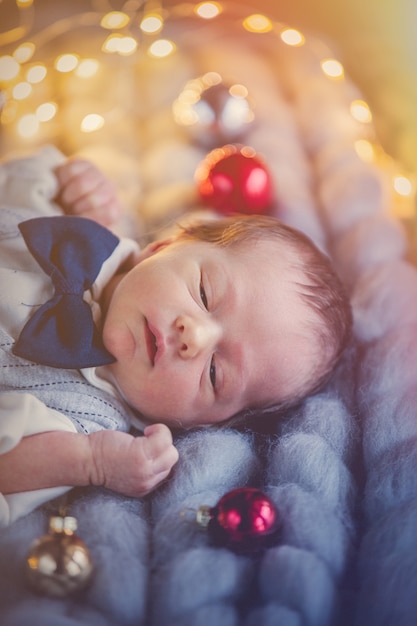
(116, 338)
(168, 401)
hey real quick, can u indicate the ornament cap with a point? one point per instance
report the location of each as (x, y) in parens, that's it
(63, 524)
(204, 515)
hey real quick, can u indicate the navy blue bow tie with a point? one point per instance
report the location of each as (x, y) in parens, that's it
(61, 333)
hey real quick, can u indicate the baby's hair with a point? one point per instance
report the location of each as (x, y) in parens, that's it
(321, 289)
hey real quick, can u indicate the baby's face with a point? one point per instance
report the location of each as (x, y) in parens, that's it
(201, 332)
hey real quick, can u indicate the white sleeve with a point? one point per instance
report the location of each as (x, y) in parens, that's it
(21, 415)
(30, 182)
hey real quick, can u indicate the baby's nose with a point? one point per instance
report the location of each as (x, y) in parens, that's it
(196, 335)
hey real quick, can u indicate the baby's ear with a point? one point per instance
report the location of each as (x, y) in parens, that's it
(154, 247)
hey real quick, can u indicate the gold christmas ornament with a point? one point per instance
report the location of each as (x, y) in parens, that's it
(59, 562)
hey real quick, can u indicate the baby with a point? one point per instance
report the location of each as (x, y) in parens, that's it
(224, 317)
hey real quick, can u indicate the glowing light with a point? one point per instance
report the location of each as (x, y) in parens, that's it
(292, 37)
(9, 68)
(161, 48)
(403, 185)
(92, 122)
(24, 3)
(360, 111)
(46, 111)
(208, 10)
(238, 91)
(121, 45)
(24, 52)
(87, 68)
(332, 68)
(211, 78)
(151, 24)
(66, 62)
(127, 45)
(365, 150)
(112, 43)
(36, 74)
(248, 152)
(21, 91)
(257, 23)
(28, 126)
(185, 116)
(115, 19)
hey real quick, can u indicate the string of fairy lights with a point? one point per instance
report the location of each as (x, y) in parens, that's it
(36, 67)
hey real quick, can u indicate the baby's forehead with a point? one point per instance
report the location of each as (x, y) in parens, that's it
(268, 262)
(270, 251)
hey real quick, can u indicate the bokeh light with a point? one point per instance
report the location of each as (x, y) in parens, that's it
(332, 68)
(66, 62)
(92, 122)
(31, 90)
(208, 10)
(122, 45)
(257, 23)
(9, 68)
(161, 48)
(46, 111)
(292, 37)
(403, 185)
(36, 74)
(152, 23)
(22, 90)
(115, 19)
(361, 112)
(87, 68)
(28, 125)
(365, 150)
(24, 52)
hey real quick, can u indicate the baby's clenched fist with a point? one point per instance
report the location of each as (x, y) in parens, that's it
(87, 192)
(132, 466)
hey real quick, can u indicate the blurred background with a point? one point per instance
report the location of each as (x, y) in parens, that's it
(374, 40)
(377, 43)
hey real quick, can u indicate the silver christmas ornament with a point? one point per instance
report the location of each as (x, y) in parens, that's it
(213, 111)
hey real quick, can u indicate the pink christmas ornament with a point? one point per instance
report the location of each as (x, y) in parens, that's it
(244, 520)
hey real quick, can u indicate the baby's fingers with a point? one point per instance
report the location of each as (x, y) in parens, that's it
(100, 205)
(77, 177)
(159, 448)
(72, 168)
(86, 191)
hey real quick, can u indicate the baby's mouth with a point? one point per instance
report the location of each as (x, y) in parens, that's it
(151, 346)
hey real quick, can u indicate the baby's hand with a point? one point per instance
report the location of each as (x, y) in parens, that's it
(86, 191)
(133, 466)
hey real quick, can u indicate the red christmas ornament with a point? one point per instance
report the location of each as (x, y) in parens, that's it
(233, 179)
(244, 520)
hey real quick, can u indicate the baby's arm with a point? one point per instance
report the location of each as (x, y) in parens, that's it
(86, 191)
(132, 466)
